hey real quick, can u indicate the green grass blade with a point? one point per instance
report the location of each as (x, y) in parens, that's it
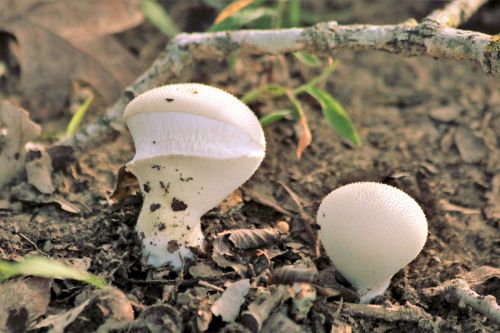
(47, 268)
(335, 114)
(294, 13)
(274, 117)
(269, 89)
(317, 79)
(158, 16)
(308, 59)
(78, 116)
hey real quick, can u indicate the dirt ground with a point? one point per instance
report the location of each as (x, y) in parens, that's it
(428, 127)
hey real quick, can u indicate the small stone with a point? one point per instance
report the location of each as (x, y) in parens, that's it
(445, 114)
(472, 148)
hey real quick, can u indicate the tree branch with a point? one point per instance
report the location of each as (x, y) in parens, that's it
(459, 291)
(435, 37)
(455, 13)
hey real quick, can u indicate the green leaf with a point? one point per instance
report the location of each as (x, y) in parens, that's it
(308, 59)
(158, 16)
(316, 80)
(244, 17)
(294, 13)
(274, 117)
(47, 268)
(335, 114)
(269, 89)
(78, 116)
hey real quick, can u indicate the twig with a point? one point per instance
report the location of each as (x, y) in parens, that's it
(455, 13)
(435, 36)
(459, 291)
(211, 286)
(408, 312)
(258, 311)
(32, 243)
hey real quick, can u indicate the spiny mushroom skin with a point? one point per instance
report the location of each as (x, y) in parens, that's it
(370, 231)
(195, 144)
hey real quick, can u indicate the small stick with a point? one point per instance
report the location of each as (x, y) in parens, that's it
(211, 286)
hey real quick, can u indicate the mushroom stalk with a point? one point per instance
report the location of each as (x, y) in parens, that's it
(176, 195)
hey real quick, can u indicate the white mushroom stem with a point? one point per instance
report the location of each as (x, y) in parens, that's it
(178, 190)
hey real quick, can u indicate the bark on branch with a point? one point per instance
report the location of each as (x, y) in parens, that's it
(459, 291)
(435, 36)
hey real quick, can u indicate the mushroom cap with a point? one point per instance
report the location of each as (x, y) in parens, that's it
(370, 231)
(198, 99)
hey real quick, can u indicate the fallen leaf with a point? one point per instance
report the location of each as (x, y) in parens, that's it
(472, 148)
(27, 193)
(305, 137)
(22, 301)
(126, 184)
(259, 194)
(203, 270)
(229, 304)
(290, 274)
(15, 130)
(158, 319)
(252, 238)
(105, 304)
(278, 322)
(61, 41)
(231, 9)
(224, 257)
(39, 171)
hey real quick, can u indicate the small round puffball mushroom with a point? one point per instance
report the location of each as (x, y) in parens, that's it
(195, 144)
(370, 231)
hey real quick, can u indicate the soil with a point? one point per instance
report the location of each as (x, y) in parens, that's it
(429, 127)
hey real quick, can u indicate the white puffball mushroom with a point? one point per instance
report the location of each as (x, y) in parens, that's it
(370, 231)
(195, 144)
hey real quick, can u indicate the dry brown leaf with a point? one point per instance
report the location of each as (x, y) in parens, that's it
(126, 184)
(108, 303)
(305, 137)
(61, 41)
(15, 130)
(291, 274)
(278, 322)
(252, 238)
(231, 10)
(39, 171)
(224, 257)
(22, 301)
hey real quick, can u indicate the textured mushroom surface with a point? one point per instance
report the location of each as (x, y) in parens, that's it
(370, 231)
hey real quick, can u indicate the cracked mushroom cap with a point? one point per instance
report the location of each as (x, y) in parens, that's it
(225, 127)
